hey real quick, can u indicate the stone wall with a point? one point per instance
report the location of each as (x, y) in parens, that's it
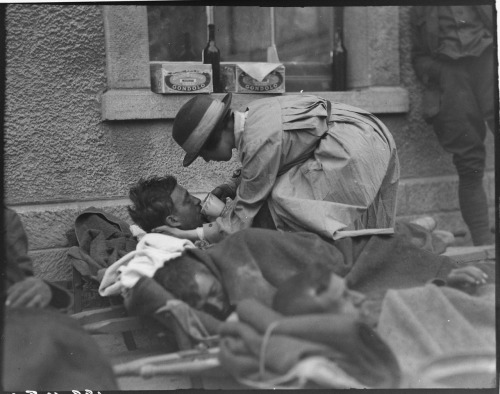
(61, 158)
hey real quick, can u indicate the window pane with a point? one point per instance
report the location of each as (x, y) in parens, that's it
(168, 26)
(303, 36)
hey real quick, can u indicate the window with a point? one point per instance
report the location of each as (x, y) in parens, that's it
(372, 74)
(304, 38)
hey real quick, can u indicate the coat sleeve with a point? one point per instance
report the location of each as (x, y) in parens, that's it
(486, 13)
(260, 161)
(19, 264)
(425, 65)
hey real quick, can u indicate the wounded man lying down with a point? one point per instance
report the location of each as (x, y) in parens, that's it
(287, 274)
(253, 263)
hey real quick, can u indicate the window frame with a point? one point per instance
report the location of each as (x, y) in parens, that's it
(372, 75)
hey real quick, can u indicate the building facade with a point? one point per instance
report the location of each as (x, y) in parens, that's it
(82, 125)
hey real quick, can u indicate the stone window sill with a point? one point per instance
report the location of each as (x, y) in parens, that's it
(142, 104)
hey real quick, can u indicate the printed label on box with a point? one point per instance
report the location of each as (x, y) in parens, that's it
(236, 77)
(181, 77)
(273, 81)
(186, 81)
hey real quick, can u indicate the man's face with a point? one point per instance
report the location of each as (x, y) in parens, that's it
(212, 297)
(187, 209)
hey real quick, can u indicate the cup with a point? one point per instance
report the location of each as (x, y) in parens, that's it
(212, 207)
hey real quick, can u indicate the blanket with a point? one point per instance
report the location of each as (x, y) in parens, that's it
(129, 275)
(265, 344)
(423, 323)
(102, 240)
(252, 263)
(152, 252)
(419, 236)
(149, 298)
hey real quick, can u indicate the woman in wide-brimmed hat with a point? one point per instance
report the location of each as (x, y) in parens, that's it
(306, 165)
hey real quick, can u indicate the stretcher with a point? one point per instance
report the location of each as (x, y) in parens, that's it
(190, 361)
(115, 319)
(199, 361)
(194, 362)
(201, 364)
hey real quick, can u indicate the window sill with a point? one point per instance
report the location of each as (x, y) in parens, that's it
(142, 104)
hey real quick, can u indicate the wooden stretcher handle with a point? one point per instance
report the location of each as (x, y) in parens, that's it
(136, 367)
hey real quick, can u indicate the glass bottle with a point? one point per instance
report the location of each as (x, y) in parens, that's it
(211, 55)
(339, 63)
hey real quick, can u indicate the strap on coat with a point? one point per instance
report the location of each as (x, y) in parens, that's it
(301, 159)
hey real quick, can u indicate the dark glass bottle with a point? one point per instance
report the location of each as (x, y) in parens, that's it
(187, 53)
(339, 63)
(211, 55)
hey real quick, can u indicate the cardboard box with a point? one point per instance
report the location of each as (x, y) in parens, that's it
(181, 77)
(252, 77)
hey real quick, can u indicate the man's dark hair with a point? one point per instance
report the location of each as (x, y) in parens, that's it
(177, 276)
(151, 201)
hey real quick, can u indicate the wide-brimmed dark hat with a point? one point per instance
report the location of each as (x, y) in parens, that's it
(195, 121)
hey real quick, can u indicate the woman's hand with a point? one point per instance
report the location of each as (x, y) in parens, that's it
(191, 235)
(468, 276)
(222, 192)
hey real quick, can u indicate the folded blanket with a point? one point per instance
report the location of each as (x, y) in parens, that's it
(264, 344)
(249, 270)
(102, 240)
(152, 252)
(419, 236)
(370, 264)
(392, 262)
(422, 323)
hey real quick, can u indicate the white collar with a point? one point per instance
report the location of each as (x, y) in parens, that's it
(239, 125)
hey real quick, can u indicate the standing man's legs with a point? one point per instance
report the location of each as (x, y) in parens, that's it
(482, 71)
(461, 129)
